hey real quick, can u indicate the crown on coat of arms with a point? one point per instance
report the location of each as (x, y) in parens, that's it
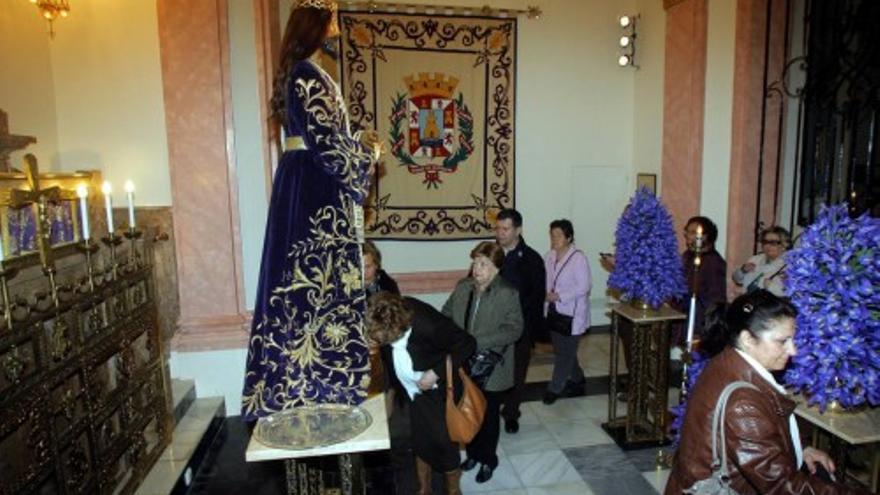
(435, 85)
(316, 4)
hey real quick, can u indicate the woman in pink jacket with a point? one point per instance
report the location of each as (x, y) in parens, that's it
(567, 309)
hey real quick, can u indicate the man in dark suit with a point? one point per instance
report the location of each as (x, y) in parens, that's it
(524, 268)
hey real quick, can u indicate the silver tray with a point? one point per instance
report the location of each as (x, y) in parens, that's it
(309, 427)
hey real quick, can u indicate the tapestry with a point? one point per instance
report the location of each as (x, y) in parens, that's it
(440, 92)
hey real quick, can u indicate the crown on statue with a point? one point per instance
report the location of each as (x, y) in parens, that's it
(434, 85)
(315, 4)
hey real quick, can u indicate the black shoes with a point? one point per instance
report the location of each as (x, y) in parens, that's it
(549, 397)
(485, 473)
(573, 389)
(511, 426)
(468, 464)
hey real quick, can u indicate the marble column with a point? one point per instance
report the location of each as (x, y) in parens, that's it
(683, 101)
(194, 44)
(747, 183)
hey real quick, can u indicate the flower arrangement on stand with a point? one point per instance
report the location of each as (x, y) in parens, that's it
(833, 279)
(648, 266)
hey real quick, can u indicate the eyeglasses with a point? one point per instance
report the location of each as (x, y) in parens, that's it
(771, 242)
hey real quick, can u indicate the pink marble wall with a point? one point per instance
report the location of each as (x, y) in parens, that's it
(746, 149)
(683, 101)
(193, 38)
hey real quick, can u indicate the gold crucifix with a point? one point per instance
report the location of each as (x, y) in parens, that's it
(40, 197)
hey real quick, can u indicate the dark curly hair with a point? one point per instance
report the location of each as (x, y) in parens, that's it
(388, 317)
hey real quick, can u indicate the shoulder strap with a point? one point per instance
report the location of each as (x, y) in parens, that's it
(559, 272)
(718, 426)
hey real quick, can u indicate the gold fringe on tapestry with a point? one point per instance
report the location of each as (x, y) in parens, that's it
(532, 12)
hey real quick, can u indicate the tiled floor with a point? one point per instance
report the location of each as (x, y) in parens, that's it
(560, 449)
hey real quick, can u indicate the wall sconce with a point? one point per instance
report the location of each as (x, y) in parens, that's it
(51, 10)
(627, 41)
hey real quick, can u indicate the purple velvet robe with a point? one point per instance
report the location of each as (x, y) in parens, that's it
(307, 342)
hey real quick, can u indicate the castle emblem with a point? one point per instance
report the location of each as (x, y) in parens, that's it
(428, 124)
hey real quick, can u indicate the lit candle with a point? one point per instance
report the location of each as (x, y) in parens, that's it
(83, 192)
(129, 192)
(107, 189)
(699, 240)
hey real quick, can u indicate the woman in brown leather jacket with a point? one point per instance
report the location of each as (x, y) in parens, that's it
(762, 440)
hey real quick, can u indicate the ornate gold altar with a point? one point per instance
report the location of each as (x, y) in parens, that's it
(648, 392)
(83, 402)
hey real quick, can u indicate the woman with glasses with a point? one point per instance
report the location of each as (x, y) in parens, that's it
(753, 338)
(766, 270)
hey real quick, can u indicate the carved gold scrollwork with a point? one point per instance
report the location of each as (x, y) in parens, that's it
(95, 323)
(76, 467)
(60, 343)
(68, 404)
(137, 449)
(119, 306)
(13, 365)
(38, 441)
(138, 295)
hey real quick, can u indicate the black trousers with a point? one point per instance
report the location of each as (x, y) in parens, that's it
(484, 447)
(402, 457)
(522, 354)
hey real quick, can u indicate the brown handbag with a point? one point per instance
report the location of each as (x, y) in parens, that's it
(463, 420)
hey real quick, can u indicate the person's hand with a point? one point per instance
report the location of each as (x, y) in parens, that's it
(370, 140)
(608, 261)
(428, 380)
(813, 456)
(748, 267)
(552, 297)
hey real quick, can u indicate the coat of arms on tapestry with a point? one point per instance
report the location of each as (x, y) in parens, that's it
(440, 92)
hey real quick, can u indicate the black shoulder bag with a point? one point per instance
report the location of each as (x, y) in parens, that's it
(482, 363)
(556, 321)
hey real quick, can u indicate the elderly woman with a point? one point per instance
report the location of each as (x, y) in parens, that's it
(763, 444)
(420, 338)
(375, 278)
(765, 270)
(487, 306)
(568, 309)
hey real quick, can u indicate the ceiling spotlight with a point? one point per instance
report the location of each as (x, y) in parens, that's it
(625, 20)
(624, 60)
(624, 41)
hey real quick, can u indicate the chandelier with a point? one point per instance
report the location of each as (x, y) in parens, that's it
(51, 10)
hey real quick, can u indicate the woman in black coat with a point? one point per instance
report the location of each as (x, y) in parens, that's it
(420, 338)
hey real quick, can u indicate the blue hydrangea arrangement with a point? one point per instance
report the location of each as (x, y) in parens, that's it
(648, 266)
(833, 279)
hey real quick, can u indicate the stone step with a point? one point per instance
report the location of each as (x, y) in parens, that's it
(183, 393)
(190, 444)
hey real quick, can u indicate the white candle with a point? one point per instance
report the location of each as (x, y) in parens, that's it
(692, 314)
(699, 240)
(129, 192)
(83, 193)
(107, 189)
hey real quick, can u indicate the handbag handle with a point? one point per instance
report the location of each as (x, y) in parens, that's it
(449, 374)
(718, 428)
